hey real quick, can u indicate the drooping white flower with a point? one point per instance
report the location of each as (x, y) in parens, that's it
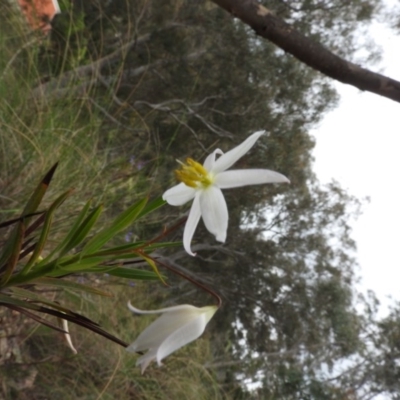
(203, 184)
(176, 327)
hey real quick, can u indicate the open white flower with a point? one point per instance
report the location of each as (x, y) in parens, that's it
(176, 327)
(203, 183)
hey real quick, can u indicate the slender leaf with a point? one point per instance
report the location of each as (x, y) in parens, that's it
(37, 196)
(35, 305)
(128, 273)
(45, 231)
(123, 250)
(153, 265)
(131, 250)
(12, 252)
(64, 284)
(35, 225)
(75, 265)
(12, 248)
(124, 220)
(69, 316)
(150, 207)
(72, 233)
(162, 245)
(5, 299)
(79, 233)
(35, 317)
(14, 220)
(32, 275)
(25, 294)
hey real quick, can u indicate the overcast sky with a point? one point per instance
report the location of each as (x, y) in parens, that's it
(358, 145)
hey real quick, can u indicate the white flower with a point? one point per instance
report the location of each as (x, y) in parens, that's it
(176, 327)
(203, 183)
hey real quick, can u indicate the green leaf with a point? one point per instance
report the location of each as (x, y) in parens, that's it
(124, 220)
(153, 265)
(17, 302)
(37, 196)
(161, 245)
(35, 317)
(14, 220)
(150, 207)
(45, 231)
(63, 314)
(72, 235)
(75, 265)
(36, 300)
(11, 252)
(66, 284)
(127, 273)
(120, 251)
(134, 250)
(77, 235)
(24, 294)
(12, 248)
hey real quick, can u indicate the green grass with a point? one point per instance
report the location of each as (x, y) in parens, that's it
(33, 135)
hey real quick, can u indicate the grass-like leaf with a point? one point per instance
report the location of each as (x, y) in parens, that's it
(35, 317)
(127, 273)
(14, 220)
(45, 231)
(124, 220)
(11, 252)
(65, 284)
(151, 206)
(37, 196)
(153, 265)
(66, 314)
(72, 234)
(79, 233)
(12, 248)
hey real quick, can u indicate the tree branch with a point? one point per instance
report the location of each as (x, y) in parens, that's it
(316, 56)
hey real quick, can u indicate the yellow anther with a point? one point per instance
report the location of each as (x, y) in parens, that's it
(193, 174)
(181, 176)
(197, 166)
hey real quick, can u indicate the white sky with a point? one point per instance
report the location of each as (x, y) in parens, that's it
(358, 145)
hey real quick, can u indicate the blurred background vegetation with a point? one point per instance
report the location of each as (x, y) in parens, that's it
(116, 93)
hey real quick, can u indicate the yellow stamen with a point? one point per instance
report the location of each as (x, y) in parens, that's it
(198, 167)
(193, 174)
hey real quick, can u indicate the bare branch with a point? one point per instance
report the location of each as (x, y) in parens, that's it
(316, 56)
(189, 111)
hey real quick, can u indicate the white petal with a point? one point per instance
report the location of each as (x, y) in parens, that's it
(191, 224)
(229, 158)
(182, 336)
(245, 177)
(154, 335)
(182, 308)
(146, 359)
(214, 212)
(177, 327)
(210, 160)
(179, 194)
